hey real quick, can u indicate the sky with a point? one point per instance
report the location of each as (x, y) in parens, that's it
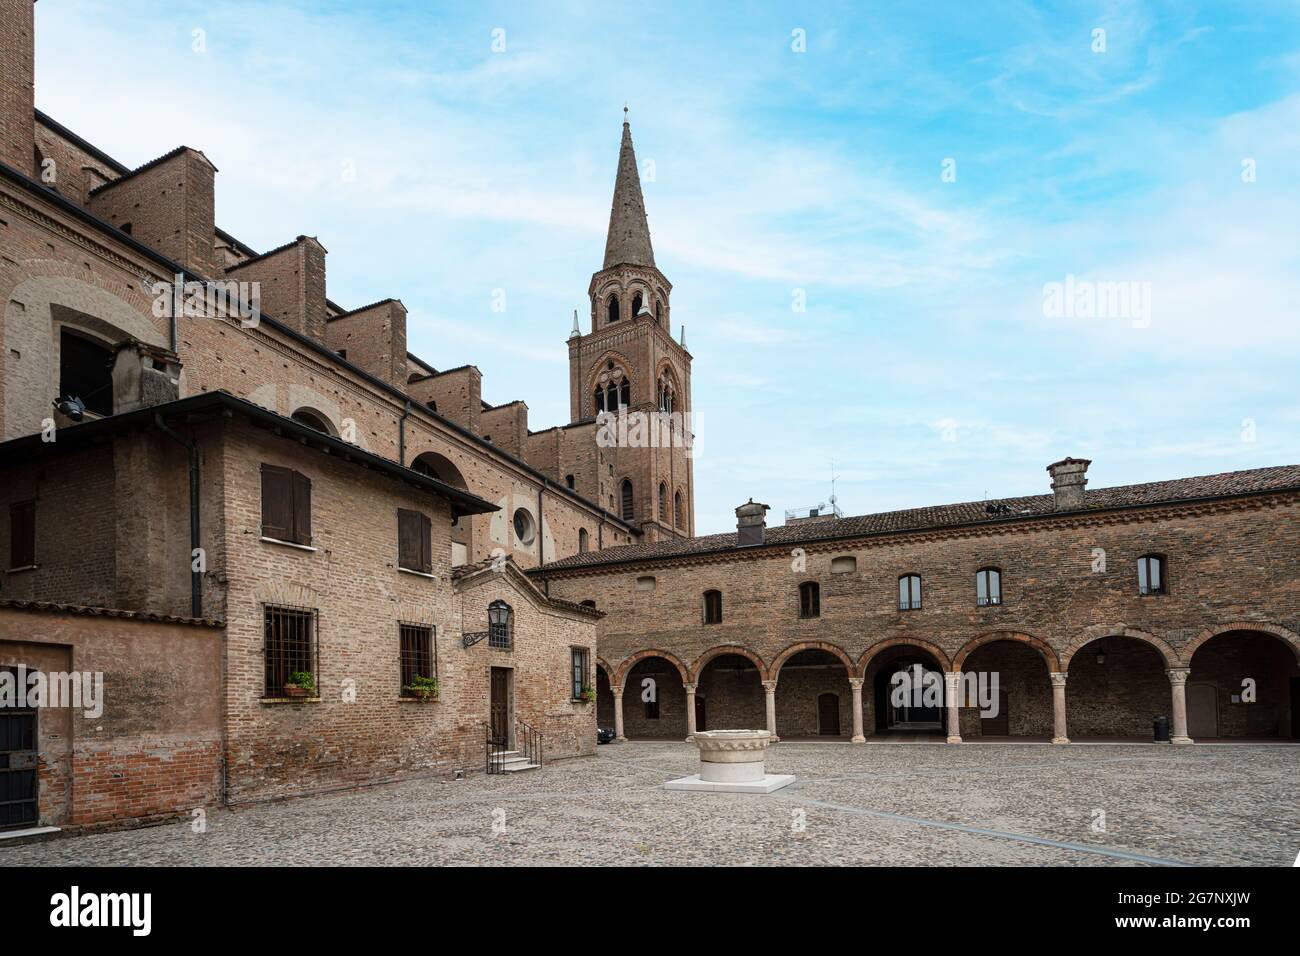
(866, 212)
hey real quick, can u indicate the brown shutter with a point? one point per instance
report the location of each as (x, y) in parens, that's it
(408, 539)
(277, 503)
(301, 509)
(22, 534)
(426, 544)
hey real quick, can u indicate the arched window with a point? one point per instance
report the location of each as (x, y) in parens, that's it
(305, 416)
(625, 491)
(677, 510)
(663, 502)
(1151, 575)
(501, 624)
(637, 300)
(589, 603)
(909, 592)
(613, 391)
(568, 482)
(988, 587)
(582, 540)
(659, 313)
(611, 310)
(810, 599)
(712, 607)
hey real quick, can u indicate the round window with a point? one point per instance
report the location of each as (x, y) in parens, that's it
(524, 527)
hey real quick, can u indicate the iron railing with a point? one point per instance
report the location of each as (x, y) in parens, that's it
(528, 740)
(496, 750)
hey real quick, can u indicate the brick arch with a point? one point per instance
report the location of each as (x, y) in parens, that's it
(794, 649)
(865, 660)
(702, 661)
(626, 667)
(1023, 637)
(603, 664)
(1167, 653)
(1281, 633)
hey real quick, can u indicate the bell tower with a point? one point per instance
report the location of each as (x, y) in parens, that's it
(628, 364)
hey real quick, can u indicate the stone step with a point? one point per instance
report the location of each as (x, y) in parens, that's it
(515, 766)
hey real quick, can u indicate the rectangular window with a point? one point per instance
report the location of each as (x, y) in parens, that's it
(419, 656)
(22, 534)
(712, 607)
(810, 599)
(289, 647)
(580, 656)
(414, 541)
(909, 592)
(286, 505)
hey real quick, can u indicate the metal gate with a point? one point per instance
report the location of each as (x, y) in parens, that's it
(18, 786)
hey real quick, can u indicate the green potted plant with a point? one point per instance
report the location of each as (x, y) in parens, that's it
(588, 693)
(300, 684)
(423, 689)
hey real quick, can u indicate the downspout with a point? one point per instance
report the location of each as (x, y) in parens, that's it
(176, 309)
(401, 434)
(541, 539)
(196, 577)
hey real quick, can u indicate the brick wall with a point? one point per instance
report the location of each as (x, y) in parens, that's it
(17, 53)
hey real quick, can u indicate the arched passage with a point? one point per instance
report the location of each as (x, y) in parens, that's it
(813, 695)
(1244, 682)
(438, 466)
(1007, 689)
(654, 697)
(729, 689)
(911, 711)
(1118, 684)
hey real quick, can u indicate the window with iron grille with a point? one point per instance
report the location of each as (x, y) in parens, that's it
(419, 654)
(581, 659)
(501, 625)
(909, 592)
(810, 599)
(22, 534)
(289, 646)
(1151, 574)
(414, 541)
(712, 607)
(988, 587)
(286, 505)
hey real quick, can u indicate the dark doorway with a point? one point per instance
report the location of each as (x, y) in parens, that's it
(18, 789)
(913, 714)
(1295, 707)
(86, 372)
(699, 713)
(1000, 724)
(500, 705)
(828, 715)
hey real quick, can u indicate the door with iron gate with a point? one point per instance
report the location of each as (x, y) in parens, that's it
(18, 765)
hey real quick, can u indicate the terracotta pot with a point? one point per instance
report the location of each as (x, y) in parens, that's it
(293, 690)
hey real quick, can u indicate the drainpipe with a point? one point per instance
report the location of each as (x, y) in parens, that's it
(196, 577)
(401, 434)
(177, 293)
(541, 544)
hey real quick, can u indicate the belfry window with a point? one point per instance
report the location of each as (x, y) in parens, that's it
(637, 300)
(611, 310)
(677, 510)
(663, 502)
(627, 501)
(613, 394)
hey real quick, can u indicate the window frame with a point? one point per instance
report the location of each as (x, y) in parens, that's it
(298, 502)
(410, 521)
(1144, 574)
(712, 606)
(413, 658)
(627, 500)
(502, 636)
(579, 669)
(275, 675)
(913, 602)
(810, 607)
(986, 577)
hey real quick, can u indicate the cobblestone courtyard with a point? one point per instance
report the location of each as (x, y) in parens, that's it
(901, 805)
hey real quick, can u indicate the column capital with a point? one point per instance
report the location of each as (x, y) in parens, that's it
(616, 690)
(1178, 675)
(769, 686)
(856, 683)
(689, 688)
(1058, 678)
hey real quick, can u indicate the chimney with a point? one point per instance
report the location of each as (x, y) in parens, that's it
(751, 522)
(291, 283)
(17, 76)
(1068, 480)
(144, 375)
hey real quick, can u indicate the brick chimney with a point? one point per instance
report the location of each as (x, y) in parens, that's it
(17, 76)
(751, 523)
(291, 281)
(1069, 476)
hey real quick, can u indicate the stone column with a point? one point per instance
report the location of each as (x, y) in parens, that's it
(770, 687)
(690, 712)
(856, 684)
(617, 690)
(952, 680)
(1178, 684)
(1058, 709)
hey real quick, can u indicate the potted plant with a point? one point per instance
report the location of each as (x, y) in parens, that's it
(423, 689)
(300, 684)
(588, 693)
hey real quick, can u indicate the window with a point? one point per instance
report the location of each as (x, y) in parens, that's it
(414, 541)
(501, 625)
(988, 587)
(22, 534)
(663, 502)
(582, 540)
(810, 599)
(637, 300)
(525, 527)
(667, 394)
(645, 583)
(289, 647)
(418, 655)
(844, 565)
(613, 395)
(611, 310)
(581, 658)
(568, 482)
(909, 592)
(1151, 574)
(313, 420)
(589, 603)
(677, 510)
(86, 372)
(626, 500)
(286, 505)
(712, 607)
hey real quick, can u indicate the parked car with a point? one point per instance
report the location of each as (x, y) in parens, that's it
(604, 735)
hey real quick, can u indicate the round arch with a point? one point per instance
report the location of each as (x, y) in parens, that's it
(314, 418)
(1022, 637)
(933, 649)
(1167, 653)
(625, 668)
(794, 649)
(702, 661)
(1288, 637)
(440, 467)
(603, 665)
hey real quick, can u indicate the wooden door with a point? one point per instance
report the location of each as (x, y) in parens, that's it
(1202, 711)
(828, 715)
(500, 705)
(699, 713)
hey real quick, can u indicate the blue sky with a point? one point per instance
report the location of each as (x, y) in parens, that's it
(924, 365)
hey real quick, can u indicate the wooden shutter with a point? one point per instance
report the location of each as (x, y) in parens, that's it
(408, 539)
(277, 503)
(426, 544)
(301, 509)
(22, 534)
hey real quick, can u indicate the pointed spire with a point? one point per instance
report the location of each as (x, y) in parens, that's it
(683, 335)
(628, 242)
(576, 332)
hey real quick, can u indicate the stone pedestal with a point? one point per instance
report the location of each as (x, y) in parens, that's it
(732, 761)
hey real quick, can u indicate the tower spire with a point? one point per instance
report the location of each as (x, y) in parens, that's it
(628, 242)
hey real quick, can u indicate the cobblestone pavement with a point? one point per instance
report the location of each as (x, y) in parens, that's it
(907, 805)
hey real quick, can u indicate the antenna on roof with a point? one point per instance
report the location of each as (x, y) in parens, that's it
(835, 508)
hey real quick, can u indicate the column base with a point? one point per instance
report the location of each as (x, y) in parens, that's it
(690, 738)
(954, 739)
(858, 740)
(1181, 740)
(620, 740)
(1060, 740)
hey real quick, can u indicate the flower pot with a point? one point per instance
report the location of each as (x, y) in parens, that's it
(293, 690)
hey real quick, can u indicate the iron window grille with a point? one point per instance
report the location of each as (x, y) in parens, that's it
(988, 587)
(712, 607)
(1151, 575)
(581, 661)
(501, 625)
(810, 599)
(290, 646)
(419, 654)
(909, 592)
